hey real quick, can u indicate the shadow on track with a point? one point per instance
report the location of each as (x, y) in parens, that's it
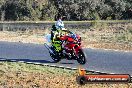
(26, 60)
(66, 63)
(32, 61)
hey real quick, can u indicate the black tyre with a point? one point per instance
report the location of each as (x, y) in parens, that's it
(55, 58)
(81, 80)
(81, 57)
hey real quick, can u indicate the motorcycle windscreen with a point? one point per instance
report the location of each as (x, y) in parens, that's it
(48, 38)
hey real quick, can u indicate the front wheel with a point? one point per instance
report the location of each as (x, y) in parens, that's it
(81, 57)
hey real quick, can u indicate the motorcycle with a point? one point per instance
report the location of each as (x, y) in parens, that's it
(71, 49)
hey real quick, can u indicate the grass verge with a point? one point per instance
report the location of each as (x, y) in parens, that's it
(22, 75)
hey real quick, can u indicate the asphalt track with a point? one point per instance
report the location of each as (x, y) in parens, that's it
(107, 61)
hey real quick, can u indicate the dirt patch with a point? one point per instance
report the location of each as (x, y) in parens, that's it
(21, 75)
(26, 37)
(111, 46)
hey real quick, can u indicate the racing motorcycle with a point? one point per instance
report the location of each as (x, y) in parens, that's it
(71, 49)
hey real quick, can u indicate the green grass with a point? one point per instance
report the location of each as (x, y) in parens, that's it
(18, 66)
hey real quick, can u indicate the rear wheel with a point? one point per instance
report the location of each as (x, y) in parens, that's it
(81, 57)
(56, 58)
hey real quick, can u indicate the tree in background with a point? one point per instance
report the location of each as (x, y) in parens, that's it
(15, 10)
(48, 11)
(35, 10)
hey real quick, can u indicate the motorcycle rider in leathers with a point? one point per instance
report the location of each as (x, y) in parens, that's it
(57, 29)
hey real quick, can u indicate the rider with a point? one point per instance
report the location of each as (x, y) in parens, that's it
(58, 28)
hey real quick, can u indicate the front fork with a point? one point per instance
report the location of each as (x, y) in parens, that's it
(76, 50)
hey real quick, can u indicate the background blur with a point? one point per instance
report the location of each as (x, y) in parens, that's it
(77, 10)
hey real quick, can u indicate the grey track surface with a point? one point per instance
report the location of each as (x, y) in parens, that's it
(107, 61)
